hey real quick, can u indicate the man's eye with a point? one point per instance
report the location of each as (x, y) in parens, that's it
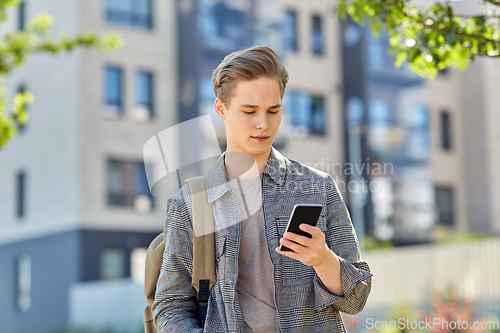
(252, 112)
(273, 112)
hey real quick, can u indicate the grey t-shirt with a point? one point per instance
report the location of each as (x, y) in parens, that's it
(255, 285)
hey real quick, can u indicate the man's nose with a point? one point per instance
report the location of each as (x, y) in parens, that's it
(262, 123)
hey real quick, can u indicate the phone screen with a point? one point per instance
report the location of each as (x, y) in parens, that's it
(302, 213)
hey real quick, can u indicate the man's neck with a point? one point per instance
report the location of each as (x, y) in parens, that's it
(244, 165)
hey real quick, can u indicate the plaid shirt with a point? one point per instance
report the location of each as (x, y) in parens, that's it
(303, 303)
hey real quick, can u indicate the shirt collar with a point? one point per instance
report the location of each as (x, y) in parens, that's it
(216, 177)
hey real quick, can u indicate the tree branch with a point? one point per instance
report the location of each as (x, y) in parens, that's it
(493, 2)
(460, 32)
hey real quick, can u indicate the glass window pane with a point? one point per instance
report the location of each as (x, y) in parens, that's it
(290, 30)
(420, 117)
(224, 23)
(379, 112)
(112, 264)
(143, 198)
(115, 183)
(21, 194)
(118, 11)
(141, 184)
(121, 183)
(376, 52)
(142, 7)
(317, 115)
(418, 140)
(113, 86)
(444, 205)
(141, 15)
(129, 12)
(113, 94)
(317, 35)
(355, 110)
(300, 109)
(124, 6)
(144, 90)
(24, 283)
(445, 130)
(22, 16)
(22, 128)
(137, 264)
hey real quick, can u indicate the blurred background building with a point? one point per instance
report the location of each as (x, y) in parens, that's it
(77, 210)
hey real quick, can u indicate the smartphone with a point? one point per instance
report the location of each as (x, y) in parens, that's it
(302, 213)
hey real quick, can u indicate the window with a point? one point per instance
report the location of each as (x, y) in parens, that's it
(21, 21)
(112, 263)
(445, 121)
(23, 270)
(144, 96)
(224, 24)
(444, 205)
(317, 124)
(113, 94)
(376, 49)
(418, 142)
(21, 194)
(134, 13)
(138, 264)
(22, 89)
(443, 72)
(380, 122)
(317, 35)
(306, 113)
(128, 185)
(290, 31)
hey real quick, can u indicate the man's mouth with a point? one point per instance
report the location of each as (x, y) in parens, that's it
(260, 137)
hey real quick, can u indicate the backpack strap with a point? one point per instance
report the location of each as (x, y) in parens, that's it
(203, 233)
(203, 278)
(154, 259)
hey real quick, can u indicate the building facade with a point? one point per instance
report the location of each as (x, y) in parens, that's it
(75, 201)
(77, 208)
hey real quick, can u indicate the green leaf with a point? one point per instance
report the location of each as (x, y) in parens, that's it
(341, 10)
(413, 54)
(450, 38)
(400, 58)
(395, 39)
(41, 23)
(449, 12)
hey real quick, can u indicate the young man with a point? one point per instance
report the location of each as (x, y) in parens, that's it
(260, 288)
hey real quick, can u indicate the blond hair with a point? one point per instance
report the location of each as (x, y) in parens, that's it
(248, 64)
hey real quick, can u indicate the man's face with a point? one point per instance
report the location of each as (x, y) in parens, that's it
(254, 112)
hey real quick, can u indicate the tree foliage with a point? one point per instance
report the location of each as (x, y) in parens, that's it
(431, 39)
(17, 46)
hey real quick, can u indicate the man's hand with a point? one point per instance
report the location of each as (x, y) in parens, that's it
(314, 252)
(309, 251)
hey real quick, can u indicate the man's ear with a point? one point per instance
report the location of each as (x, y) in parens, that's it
(220, 109)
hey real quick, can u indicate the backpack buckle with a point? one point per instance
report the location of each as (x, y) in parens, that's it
(204, 293)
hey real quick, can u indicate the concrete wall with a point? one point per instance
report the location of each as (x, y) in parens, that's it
(47, 149)
(318, 75)
(123, 138)
(54, 268)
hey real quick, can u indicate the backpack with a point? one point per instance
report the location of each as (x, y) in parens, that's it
(203, 278)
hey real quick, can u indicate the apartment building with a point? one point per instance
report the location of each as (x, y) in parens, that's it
(77, 209)
(75, 202)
